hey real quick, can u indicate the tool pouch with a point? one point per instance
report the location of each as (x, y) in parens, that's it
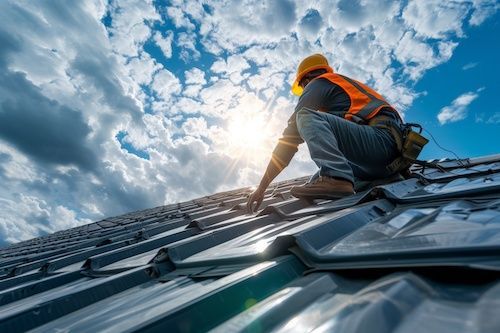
(412, 144)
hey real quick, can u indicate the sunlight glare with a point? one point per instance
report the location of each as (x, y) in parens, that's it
(248, 133)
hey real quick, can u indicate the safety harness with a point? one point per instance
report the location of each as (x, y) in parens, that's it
(409, 143)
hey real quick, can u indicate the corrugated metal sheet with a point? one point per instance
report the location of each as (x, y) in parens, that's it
(416, 255)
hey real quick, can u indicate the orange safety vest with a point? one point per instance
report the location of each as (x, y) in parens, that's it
(366, 103)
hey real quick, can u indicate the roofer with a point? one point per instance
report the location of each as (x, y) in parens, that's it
(351, 131)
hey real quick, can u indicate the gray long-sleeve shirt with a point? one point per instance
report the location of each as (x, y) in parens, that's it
(319, 94)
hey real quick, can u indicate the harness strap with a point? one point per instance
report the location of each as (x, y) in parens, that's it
(408, 142)
(392, 125)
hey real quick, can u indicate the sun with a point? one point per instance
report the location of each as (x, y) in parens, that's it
(246, 130)
(248, 134)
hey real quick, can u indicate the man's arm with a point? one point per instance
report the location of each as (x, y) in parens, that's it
(281, 157)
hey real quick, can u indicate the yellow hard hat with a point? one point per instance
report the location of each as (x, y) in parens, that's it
(309, 64)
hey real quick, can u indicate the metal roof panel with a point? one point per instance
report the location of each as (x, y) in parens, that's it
(398, 256)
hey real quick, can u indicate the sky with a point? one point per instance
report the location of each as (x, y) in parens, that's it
(111, 107)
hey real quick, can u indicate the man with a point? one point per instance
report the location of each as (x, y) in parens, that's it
(350, 130)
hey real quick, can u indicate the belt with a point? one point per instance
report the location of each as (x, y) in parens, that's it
(394, 125)
(408, 142)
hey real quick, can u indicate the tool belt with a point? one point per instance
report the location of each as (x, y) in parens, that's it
(409, 142)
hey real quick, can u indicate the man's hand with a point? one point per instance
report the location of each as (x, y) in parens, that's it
(256, 197)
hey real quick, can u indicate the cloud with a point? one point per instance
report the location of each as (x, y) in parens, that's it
(15, 166)
(418, 56)
(129, 28)
(482, 9)
(458, 108)
(41, 218)
(488, 119)
(435, 18)
(470, 65)
(350, 16)
(310, 24)
(166, 84)
(232, 68)
(232, 25)
(93, 72)
(179, 18)
(494, 119)
(62, 92)
(195, 76)
(187, 43)
(50, 132)
(164, 42)
(141, 69)
(194, 80)
(40, 127)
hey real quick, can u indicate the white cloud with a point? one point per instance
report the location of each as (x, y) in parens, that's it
(141, 69)
(220, 96)
(267, 79)
(418, 56)
(187, 106)
(232, 25)
(232, 67)
(494, 119)
(469, 65)
(65, 218)
(192, 90)
(310, 25)
(458, 108)
(488, 118)
(195, 76)
(192, 8)
(130, 25)
(187, 42)
(15, 166)
(166, 84)
(196, 127)
(482, 9)
(435, 18)
(38, 215)
(164, 42)
(354, 15)
(179, 19)
(194, 80)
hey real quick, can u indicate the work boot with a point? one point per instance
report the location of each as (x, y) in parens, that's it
(323, 188)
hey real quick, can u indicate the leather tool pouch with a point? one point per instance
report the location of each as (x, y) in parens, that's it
(410, 145)
(413, 143)
(409, 142)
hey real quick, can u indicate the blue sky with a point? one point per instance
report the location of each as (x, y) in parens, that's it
(112, 106)
(473, 67)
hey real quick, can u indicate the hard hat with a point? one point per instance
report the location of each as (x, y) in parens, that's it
(309, 64)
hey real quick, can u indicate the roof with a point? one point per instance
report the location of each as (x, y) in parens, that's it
(420, 254)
